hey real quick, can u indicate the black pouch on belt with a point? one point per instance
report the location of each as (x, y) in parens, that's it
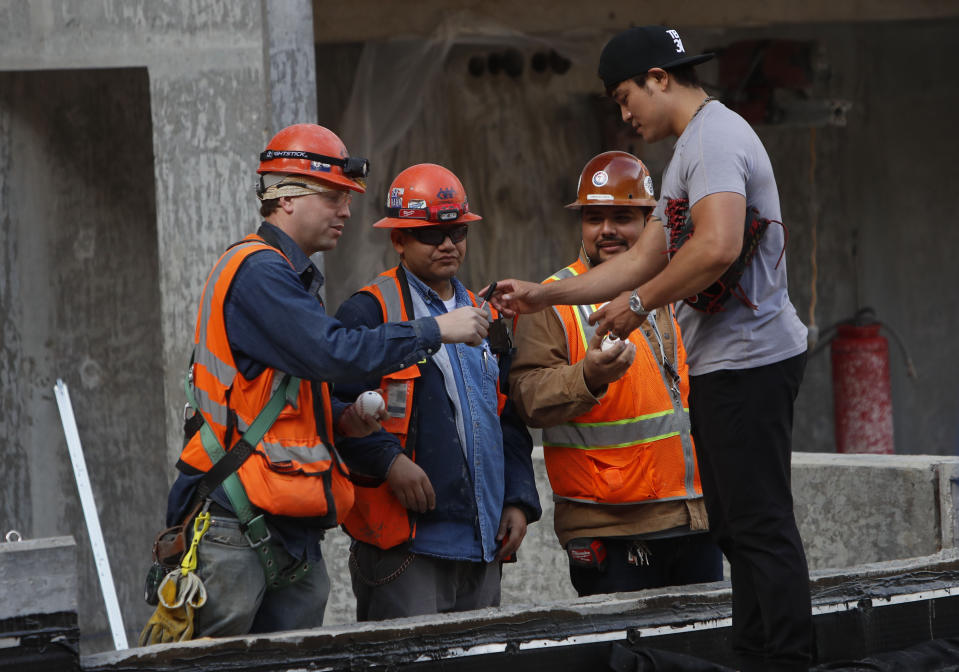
(585, 552)
(168, 549)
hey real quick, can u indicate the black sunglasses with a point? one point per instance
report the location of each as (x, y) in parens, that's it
(435, 235)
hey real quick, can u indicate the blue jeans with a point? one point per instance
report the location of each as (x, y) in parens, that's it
(238, 602)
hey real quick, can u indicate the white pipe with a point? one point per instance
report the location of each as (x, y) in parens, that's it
(90, 515)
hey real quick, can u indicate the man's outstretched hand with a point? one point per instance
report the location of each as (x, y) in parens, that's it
(514, 297)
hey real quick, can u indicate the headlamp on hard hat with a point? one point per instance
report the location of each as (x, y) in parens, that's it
(353, 166)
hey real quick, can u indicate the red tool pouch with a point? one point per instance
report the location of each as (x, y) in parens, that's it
(587, 553)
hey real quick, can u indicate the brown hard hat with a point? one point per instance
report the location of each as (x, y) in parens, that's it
(614, 178)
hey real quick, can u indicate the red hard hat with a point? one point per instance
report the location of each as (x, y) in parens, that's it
(614, 178)
(310, 149)
(426, 195)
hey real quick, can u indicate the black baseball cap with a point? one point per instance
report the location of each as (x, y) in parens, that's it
(634, 51)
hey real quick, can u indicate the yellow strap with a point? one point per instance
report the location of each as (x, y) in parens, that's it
(200, 525)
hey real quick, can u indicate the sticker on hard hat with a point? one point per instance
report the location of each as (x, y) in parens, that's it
(318, 167)
(648, 183)
(599, 197)
(396, 198)
(417, 203)
(446, 193)
(600, 178)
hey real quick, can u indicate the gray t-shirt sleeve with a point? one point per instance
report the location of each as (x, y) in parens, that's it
(717, 159)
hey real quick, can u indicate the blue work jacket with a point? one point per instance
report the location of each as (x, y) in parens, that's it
(473, 483)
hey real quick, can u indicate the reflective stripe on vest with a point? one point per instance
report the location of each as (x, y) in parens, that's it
(603, 441)
(615, 433)
(585, 330)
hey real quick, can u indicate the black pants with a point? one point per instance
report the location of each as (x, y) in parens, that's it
(673, 561)
(742, 423)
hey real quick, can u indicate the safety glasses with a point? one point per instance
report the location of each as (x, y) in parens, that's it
(435, 235)
(337, 198)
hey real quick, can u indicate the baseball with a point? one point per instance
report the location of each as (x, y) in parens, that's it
(370, 403)
(609, 341)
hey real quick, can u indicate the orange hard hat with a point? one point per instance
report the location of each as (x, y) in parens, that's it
(310, 149)
(614, 178)
(426, 195)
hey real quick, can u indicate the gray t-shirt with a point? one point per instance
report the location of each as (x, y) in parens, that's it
(720, 152)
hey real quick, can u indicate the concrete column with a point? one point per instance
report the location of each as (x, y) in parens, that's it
(290, 61)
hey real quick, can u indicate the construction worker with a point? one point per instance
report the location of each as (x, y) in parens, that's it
(720, 251)
(262, 331)
(444, 494)
(620, 458)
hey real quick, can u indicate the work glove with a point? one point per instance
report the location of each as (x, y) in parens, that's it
(173, 620)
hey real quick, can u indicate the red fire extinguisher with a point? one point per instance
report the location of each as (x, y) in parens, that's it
(862, 393)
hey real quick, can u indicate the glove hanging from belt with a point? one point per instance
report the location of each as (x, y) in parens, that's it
(180, 594)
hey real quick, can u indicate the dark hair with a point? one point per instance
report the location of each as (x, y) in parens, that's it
(684, 75)
(268, 207)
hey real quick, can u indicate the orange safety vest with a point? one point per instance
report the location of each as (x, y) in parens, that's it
(293, 471)
(635, 446)
(377, 517)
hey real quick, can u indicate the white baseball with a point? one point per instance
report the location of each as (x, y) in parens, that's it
(370, 403)
(609, 341)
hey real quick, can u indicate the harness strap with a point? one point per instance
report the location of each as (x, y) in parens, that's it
(225, 465)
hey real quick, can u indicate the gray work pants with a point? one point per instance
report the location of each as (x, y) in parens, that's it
(238, 602)
(427, 586)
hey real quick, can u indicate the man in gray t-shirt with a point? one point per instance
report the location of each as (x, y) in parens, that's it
(746, 346)
(719, 153)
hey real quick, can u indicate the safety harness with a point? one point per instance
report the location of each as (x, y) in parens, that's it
(226, 464)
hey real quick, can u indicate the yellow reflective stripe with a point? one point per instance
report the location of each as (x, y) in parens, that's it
(628, 444)
(648, 416)
(581, 313)
(615, 433)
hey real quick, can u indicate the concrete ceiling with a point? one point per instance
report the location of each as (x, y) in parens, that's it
(362, 20)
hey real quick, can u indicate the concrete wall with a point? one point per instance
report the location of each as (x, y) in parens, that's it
(128, 139)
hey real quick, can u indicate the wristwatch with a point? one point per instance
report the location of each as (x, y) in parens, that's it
(636, 305)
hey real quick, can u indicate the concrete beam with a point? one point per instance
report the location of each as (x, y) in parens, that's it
(857, 612)
(38, 576)
(854, 509)
(351, 21)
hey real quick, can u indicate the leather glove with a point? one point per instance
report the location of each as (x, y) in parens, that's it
(173, 620)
